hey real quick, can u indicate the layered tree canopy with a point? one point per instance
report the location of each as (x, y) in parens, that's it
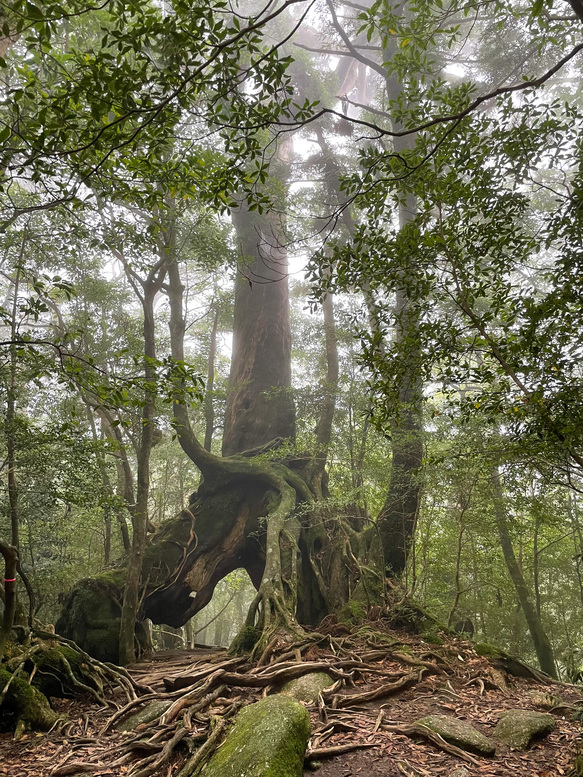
(294, 289)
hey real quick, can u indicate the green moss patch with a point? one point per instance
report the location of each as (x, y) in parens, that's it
(54, 666)
(245, 640)
(24, 708)
(147, 714)
(268, 739)
(518, 728)
(352, 613)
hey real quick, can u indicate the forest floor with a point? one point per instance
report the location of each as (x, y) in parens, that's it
(385, 682)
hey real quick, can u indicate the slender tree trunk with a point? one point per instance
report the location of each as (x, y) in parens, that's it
(131, 598)
(458, 590)
(125, 484)
(535, 568)
(542, 645)
(209, 410)
(316, 470)
(106, 486)
(11, 420)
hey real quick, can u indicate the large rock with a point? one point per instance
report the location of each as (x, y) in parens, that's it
(459, 733)
(308, 687)
(518, 728)
(268, 739)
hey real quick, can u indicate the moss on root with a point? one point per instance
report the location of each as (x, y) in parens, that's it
(353, 613)
(54, 667)
(24, 708)
(245, 640)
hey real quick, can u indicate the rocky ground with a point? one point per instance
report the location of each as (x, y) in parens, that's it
(374, 692)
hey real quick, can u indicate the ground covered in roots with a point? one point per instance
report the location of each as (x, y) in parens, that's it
(384, 681)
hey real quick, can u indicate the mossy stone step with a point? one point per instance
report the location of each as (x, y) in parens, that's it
(268, 739)
(518, 728)
(459, 733)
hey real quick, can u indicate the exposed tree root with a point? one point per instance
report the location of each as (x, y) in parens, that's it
(329, 752)
(44, 665)
(217, 726)
(180, 740)
(270, 620)
(419, 730)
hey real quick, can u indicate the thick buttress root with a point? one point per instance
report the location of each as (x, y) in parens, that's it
(271, 615)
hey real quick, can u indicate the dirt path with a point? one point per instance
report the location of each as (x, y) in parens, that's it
(450, 680)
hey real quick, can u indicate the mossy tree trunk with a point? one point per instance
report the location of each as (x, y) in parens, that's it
(10, 553)
(244, 515)
(248, 513)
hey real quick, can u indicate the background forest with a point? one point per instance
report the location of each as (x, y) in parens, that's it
(407, 177)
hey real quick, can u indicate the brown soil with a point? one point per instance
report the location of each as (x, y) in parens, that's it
(450, 679)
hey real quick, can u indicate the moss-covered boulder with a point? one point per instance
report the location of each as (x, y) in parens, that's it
(147, 714)
(91, 615)
(268, 739)
(459, 733)
(308, 687)
(24, 708)
(518, 728)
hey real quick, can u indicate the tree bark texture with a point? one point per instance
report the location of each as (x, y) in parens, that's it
(209, 410)
(10, 553)
(315, 471)
(260, 406)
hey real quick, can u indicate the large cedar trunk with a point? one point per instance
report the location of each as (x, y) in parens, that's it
(260, 406)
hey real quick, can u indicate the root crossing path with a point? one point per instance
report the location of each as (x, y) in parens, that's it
(366, 722)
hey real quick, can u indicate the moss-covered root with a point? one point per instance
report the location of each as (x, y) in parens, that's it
(23, 707)
(268, 739)
(61, 671)
(272, 612)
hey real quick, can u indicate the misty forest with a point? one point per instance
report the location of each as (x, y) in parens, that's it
(291, 388)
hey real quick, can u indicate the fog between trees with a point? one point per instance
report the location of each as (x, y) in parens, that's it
(408, 405)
